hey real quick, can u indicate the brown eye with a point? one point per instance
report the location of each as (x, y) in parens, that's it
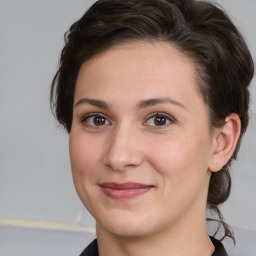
(160, 120)
(99, 120)
(95, 120)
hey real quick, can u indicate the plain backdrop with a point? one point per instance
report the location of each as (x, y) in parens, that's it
(35, 176)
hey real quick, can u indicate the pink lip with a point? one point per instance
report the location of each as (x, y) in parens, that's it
(122, 191)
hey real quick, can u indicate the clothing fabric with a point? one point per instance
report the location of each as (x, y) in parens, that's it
(92, 249)
(219, 248)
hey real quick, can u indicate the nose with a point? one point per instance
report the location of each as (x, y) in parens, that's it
(123, 150)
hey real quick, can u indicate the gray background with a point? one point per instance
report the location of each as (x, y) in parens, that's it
(35, 178)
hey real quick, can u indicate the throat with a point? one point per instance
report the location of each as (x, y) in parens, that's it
(157, 244)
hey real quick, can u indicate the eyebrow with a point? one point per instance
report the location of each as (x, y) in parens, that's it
(142, 104)
(155, 101)
(93, 102)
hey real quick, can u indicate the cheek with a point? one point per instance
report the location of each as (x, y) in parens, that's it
(83, 156)
(178, 159)
(181, 165)
(170, 154)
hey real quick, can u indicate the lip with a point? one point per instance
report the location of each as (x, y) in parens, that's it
(124, 191)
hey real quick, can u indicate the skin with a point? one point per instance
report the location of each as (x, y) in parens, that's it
(176, 157)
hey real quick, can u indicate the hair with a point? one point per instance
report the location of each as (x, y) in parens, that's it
(199, 29)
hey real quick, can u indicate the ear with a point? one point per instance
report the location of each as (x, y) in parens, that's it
(224, 142)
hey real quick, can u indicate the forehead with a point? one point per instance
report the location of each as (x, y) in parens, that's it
(138, 70)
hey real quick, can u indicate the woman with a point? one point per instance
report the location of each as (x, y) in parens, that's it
(154, 95)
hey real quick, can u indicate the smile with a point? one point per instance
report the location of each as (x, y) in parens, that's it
(124, 191)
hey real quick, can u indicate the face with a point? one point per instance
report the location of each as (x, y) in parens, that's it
(140, 144)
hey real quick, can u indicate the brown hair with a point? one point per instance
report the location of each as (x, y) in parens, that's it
(199, 29)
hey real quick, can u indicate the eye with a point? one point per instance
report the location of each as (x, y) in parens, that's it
(95, 119)
(159, 119)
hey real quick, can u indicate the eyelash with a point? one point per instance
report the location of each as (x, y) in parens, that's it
(167, 117)
(93, 115)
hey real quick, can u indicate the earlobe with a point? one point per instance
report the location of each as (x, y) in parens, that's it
(225, 141)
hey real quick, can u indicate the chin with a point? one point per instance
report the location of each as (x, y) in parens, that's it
(126, 226)
(131, 231)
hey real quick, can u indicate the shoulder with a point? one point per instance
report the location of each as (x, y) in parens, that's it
(219, 248)
(91, 249)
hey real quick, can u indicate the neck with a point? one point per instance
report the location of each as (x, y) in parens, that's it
(174, 242)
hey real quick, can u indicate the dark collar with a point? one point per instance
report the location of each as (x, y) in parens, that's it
(92, 248)
(219, 248)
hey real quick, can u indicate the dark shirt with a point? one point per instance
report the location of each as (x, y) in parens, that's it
(92, 249)
(219, 248)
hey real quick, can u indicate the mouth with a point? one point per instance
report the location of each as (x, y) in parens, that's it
(124, 191)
